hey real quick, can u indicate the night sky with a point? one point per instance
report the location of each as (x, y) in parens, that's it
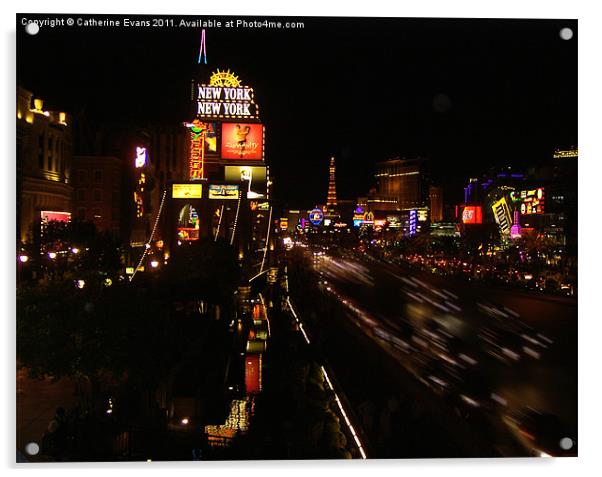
(468, 94)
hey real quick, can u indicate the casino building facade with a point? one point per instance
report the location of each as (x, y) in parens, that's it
(44, 149)
(220, 188)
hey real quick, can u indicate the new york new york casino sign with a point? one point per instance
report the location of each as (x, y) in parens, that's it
(225, 97)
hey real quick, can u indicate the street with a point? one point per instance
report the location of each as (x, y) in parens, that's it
(541, 375)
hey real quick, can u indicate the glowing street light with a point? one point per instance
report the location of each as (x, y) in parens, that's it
(52, 255)
(23, 258)
(184, 421)
(154, 264)
(75, 250)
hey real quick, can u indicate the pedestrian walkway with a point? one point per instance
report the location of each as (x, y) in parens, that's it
(37, 400)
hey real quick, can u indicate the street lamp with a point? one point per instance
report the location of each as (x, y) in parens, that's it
(52, 255)
(75, 250)
(154, 264)
(23, 258)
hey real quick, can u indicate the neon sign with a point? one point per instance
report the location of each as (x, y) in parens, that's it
(502, 216)
(472, 214)
(141, 157)
(225, 97)
(198, 131)
(413, 219)
(316, 216)
(531, 201)
(560, 154)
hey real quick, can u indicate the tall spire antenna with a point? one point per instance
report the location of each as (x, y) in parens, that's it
(203, 48)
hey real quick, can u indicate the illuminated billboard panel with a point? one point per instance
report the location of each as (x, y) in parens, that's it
(217, 191)
(501, 212)
(141, 157)
(187, 191)
(530, 201)
(242, 141)
(257, 174)
(188, 223)
(472, 214)
(253, 373)
(48, 215)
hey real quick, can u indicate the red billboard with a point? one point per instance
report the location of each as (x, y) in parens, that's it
(253, 373)
(472, 214)
(242, 141)
(48, 215)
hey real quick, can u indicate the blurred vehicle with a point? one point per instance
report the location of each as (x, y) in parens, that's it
(476, 395)
(399, 343)
(496, 310)
(440, 377)
(512, 340)
(542, 434)
(458, 354)
(503, 345)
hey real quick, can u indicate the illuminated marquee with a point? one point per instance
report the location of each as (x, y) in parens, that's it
(225, 97)
(531, 201)
(187, 191)
(217, 191)
(560, 154)
(501, 212)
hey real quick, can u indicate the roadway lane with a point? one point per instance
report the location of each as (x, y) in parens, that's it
(546, 381)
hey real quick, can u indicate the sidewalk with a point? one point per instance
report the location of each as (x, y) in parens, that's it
(37, 401)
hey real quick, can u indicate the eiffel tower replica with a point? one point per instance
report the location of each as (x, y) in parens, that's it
(331, 211)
